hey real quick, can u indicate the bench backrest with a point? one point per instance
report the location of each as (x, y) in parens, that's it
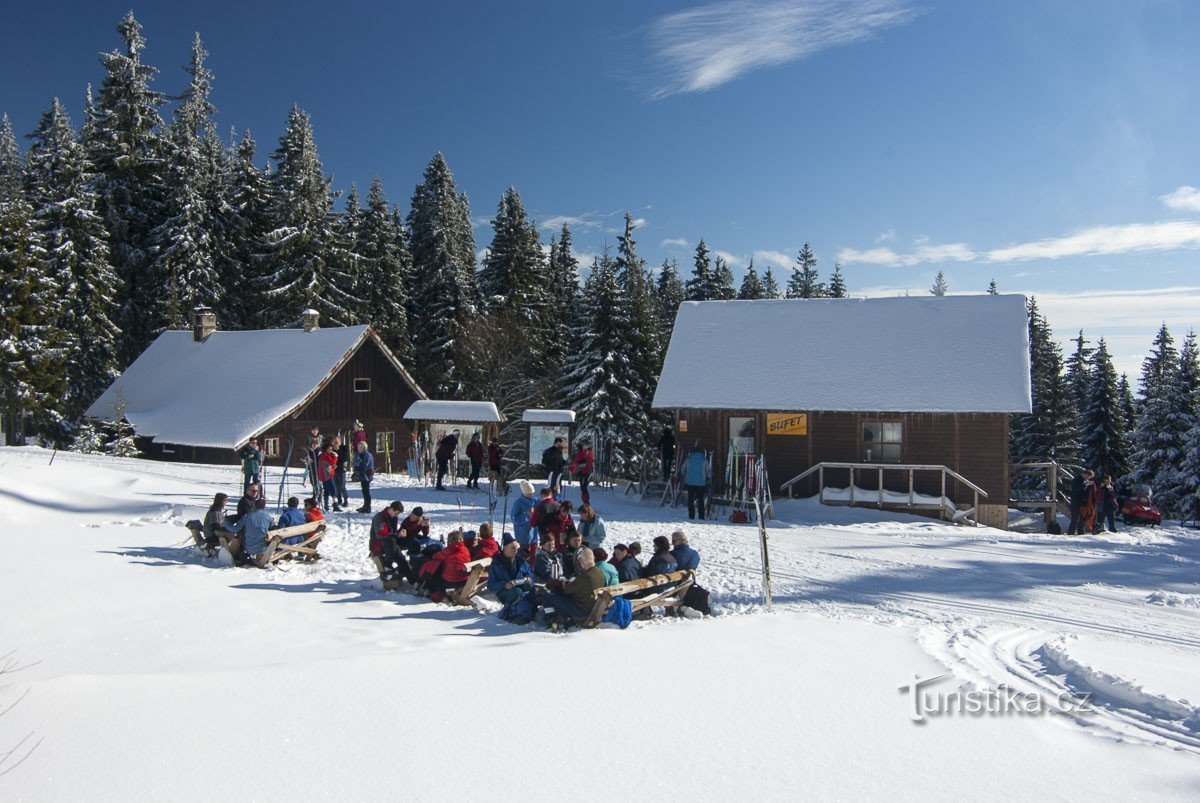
(299, 529)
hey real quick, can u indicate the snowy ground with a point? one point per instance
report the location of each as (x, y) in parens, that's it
(157, 675)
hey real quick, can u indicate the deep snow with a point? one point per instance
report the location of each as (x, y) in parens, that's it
(162, 675)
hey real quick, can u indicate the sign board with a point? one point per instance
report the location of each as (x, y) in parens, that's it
(541, 438)
(787, 423)
(683, 425)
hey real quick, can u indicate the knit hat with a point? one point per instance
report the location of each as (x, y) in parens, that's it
(469, 535)
(418, 511)
(506, 539)
(526, 487)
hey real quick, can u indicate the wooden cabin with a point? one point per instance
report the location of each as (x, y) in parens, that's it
(868, 384)
(198, 396)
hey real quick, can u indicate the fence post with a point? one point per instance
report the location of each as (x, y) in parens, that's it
(911, 498)
(942, 501)
(821, 482)
(851, 486)
(881, 487)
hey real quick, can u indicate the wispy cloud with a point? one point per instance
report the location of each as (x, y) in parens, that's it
(1097, 240)
(639, 222)
(732, 260)
(776, 259)
(674, 242)
(573, 221)
(702, 48)
(1185, 198)
(924, 252)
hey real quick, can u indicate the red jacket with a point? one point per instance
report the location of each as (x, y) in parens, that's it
(485, 548)
(494, 455)
(412, 526)
(450, 563)
(475, 452)
(326, 465)
(583, 462)
(313, 515)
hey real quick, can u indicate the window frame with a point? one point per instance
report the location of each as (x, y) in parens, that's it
(882, 442)
(389, 441)
(270, 447)
(356, 388)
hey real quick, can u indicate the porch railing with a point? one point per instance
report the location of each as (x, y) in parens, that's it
(862, 497)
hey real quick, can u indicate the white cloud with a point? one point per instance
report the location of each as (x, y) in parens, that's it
(1185, 198)
(733, 260)
(886, 236)
(556, 222)
(702, 48)
(776, 259)
(677, 242)
(639, 222)
(1098, 240)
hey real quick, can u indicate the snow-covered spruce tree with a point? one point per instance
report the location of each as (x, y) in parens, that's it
(564, 294)
(723, 288)
(1129, 406)
(600, 377)
(305, 260)
(940, 287)
(564, 269)
(1104, 448)
(444, 292)
(669, 295)
(1180, 481)
(1159, 442)
(992, 291)
(515, 277)
(751, 289)
(1048, 432)
(88, 439)
(837, 282)
(245, 225)
(770, 285)
(702, 285)
(31, 345)
(186, 245)
(643, 344)
(804, 282)
(122, 440)
(72, 235)
(1079, 374)
(127, 152)
(384, 270)
(1161, 364)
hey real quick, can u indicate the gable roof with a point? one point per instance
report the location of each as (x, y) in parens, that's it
(231, 386)
(462, 412)
(948, 354)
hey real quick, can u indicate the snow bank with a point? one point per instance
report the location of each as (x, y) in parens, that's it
(953, 354)
(871, 496)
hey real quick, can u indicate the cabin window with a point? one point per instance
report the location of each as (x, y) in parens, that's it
(271, 447)
(362, 384)
(385, 441)
(165, 450)
(742, 434)
(882, 441)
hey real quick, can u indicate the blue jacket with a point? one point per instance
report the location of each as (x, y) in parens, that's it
(548, 566)
(686, 557)
(592, 532)
(292, 517)
(695, 469)
(611, 578)
(661, 563)
(255, 524)
(629, 569)
(364, 465)
(520, 519)
(504, 571)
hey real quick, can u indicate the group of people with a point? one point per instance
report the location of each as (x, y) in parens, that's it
(248, 530)
(327, 460)
(447, 448)
(1094, 504)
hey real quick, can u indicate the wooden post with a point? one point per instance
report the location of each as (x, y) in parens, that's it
(911, 497)
(851, 486)
(821, 483)
(942, 502)
(1051, 513)
(881, 487)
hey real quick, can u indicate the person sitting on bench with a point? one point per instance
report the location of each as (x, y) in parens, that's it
(446, 570)
(311, 511)
(485, 545)
(591, 526)
(685, 556)
(385, 545)
(570, 555)
(292, 516)
(509, 577)
(662, 561)
(611, 578)
(254, 527)
(548, 563)
(412, 526)
(575, 598)
(246, 503)
(628, 566)
(214, 521)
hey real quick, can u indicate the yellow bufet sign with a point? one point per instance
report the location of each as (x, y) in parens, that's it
(787, 423)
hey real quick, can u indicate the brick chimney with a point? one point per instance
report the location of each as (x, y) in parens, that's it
(204, 323)
(309, 319)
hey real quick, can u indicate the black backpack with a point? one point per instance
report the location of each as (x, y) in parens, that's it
(696, 598)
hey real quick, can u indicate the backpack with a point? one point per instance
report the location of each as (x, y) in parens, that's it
(696, 598)
(519, 611)
(620, 613)
(739, 517)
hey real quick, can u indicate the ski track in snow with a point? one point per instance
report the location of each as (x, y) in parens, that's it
(994, 607)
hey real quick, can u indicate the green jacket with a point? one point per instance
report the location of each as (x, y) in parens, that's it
(582, 585)
(251, 459)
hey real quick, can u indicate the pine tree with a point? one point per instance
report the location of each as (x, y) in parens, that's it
(1079, 373)
(940, 288)
(385, 268)
(128, 156)
(564, 271)
(444, 284)
(1160, 364)
(1049, 431)
(122, 439)
(723, 281)
(185, 271)
(701, 287)
(1129, 410)
(640, 334)
(305, 262)
(1185, 487)
(88, 439)
(31, 347)
(669, 294)
(76, 267)
(1159, 442)
(246, 224)
(751, 288)
(770, 286)
(1103, 438)
(837, 284)
(804, 282)
(992, 291)
(515, 278)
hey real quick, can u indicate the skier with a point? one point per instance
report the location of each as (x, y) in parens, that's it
(544, 515)
(342, 448)
(364, 470)
(696, 474)
(666, 448)
(548, 563)
(311, 511)
(292, 516)
(446, 449)
(246, 503)
(357, 435)
(326, 469)
(252, 459)
(581, 467)
(446, 571)
(312, 454)
(574, 599)
(521, 523)
(485, 546)
(553, 462)
(475, 455)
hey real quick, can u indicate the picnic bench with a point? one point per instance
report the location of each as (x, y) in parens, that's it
(312, 533)
(476, 581)
(661, 590)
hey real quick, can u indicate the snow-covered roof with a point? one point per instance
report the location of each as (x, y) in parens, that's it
(948, 354)
(229, 387)
(549, 417)
(466, 412)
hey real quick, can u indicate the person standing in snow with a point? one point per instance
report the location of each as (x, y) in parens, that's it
(520, 516)
(695, 479)
(554, 463)
(1107, 514)
(1081, 486)
(581, 466)
(496, 461)
(666, 449)
(252, 459)
(475, 455)
(326, 470)
(364, 469)
(357, 435)
(343, 453)
(447, 447)
(311, 455)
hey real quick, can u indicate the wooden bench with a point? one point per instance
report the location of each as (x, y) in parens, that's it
(275, 549)
(665, 590)
(476, 581)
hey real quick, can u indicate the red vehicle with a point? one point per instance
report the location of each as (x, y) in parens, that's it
(1138, 507)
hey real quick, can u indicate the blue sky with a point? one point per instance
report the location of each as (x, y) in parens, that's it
(1049, 145)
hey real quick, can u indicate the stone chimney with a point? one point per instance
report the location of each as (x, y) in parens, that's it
(204, 323)
(309, 319)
